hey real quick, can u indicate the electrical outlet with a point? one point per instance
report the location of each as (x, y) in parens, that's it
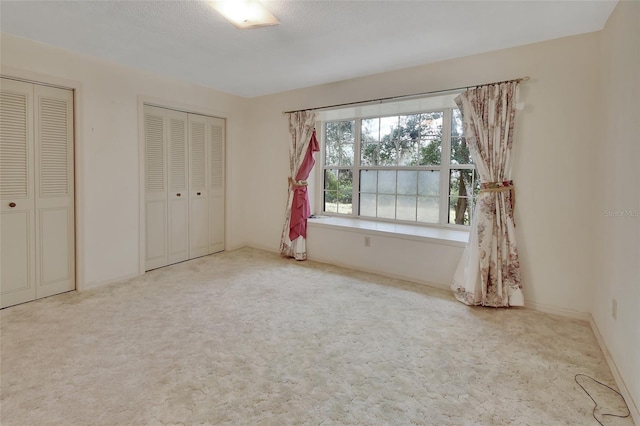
(614, 309)
(367, 241)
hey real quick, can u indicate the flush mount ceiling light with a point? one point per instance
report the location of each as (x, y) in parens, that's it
(245, 13)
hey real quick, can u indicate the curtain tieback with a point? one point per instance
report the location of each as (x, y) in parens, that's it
(297, 182)
(506, 185)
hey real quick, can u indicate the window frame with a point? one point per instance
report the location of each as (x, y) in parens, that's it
(444, 170)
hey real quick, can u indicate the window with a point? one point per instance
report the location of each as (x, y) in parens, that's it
(409, 168)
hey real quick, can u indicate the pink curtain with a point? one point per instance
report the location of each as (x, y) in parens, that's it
(302, 145)
(301, 208)
(489, 271)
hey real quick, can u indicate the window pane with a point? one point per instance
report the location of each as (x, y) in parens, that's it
(461, 190)
(476, 183)
(459, 148)
(428, 209)
(370, 154)
(331, 179)
(465, 183)
(346, 154)
(460, 182)
(430, 152)
(371, 130)
(408, 139)
(387, 206)
(337, 134)
(460, 151)
(368, 205)
(331, 153)
(368, 181)
(408, 152)
(407, 182)
(387, 181)
(459, 210)
(388, 141)
(454, 182)
(406, 209)
(345, 191)
(429, 183)
(431, 139)
(330, 204)
(456, 123)
(432, 125)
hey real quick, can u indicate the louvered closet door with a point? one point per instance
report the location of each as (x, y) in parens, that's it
(216, 184)
(55, 257)
(199, 137)
(17, 223)
(178, 197)
(156, 247)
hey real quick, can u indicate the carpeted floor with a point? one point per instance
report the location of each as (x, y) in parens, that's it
(245, 338)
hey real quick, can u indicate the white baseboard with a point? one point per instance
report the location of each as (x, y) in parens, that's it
(556, 310)
(263, 248)
(93, 285)
(624, 390)
(382, 273)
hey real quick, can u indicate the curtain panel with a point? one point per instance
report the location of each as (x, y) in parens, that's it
(302, 145)
(489, 271)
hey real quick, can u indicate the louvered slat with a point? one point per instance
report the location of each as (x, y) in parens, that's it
(154, 153)
(198, 173)
(54, 139)
(178, 172)
(13, 145)
(217, 170)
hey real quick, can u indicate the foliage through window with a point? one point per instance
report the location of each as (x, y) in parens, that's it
(410, 168)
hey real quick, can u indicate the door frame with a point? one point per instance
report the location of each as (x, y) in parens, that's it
(78, 145)
(182, 107)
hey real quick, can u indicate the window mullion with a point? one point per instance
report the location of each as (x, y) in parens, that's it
(355, 198)
(445, 166)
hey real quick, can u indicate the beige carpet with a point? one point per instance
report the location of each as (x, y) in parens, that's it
(246, 337)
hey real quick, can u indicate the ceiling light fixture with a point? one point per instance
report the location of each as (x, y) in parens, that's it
(245, 13)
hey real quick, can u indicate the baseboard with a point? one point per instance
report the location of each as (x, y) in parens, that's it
(624, 390)
(382, 273)
(556, 310)
(263, 248)
(93, 285)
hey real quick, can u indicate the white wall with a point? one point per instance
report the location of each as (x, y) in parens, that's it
(413, 259)
(617, 189)
(553, 154)
(107, 160)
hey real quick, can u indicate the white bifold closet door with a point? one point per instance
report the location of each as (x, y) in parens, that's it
(37, 250)
(184, 186)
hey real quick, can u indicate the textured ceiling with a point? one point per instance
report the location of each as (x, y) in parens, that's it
(317, 41)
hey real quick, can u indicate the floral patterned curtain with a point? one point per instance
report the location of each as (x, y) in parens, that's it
(489, 271)
(302, 145)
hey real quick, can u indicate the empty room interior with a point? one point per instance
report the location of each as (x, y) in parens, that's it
(172, 254)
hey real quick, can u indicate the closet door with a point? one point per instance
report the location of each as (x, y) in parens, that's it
(199, 137)
(216, 184)
(156, 223)
(54, 220)
(178, 187)
(17, 223)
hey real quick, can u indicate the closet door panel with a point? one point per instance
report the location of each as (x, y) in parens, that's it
(17, 233)
(55, 240)
(56, 249)
(216, 185)
(198, 205)
(156, 221)
(178, 195)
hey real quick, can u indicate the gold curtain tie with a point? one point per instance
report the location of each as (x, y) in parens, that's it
(506, 185)
(297, 182)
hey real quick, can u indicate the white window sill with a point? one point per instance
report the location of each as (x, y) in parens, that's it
(451, 237)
